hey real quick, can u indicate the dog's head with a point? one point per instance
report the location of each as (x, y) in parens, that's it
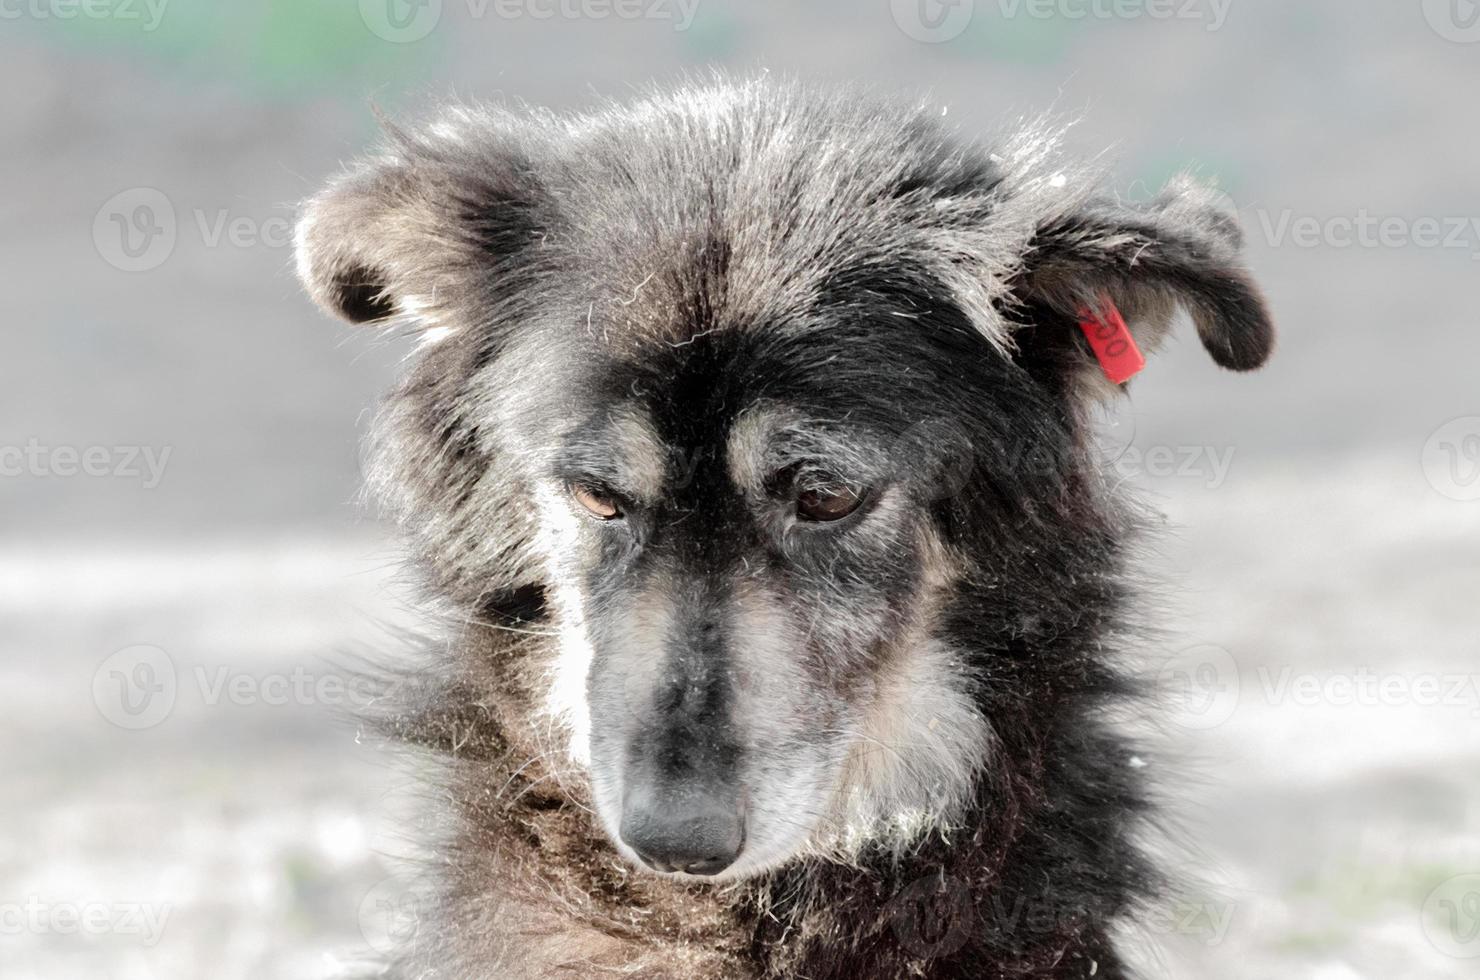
(767, 391)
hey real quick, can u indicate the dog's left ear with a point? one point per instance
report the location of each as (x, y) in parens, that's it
(424, 228)
(1180, 249)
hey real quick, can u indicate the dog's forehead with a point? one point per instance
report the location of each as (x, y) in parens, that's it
(646, 438)
(750, 223)
(646, 429)
(674, 372)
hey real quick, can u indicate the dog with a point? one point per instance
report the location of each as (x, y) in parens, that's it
(747, 450)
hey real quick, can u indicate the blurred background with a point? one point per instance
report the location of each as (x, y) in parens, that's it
(183, 558)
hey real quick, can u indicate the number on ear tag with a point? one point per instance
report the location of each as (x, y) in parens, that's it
(1112, 342)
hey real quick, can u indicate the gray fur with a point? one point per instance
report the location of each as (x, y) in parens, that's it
(815, 679)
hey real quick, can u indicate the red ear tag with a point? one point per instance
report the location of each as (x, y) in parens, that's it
(1112, 342)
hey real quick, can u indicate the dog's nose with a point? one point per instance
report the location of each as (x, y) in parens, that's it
(696, 831)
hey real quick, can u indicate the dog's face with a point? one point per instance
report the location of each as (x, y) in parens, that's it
(765, 396)
(742, 535)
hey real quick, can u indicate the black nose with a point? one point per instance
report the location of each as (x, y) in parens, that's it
(696, 831)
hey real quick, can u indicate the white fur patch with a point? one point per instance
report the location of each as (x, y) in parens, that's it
(566, 703)
(434, 335)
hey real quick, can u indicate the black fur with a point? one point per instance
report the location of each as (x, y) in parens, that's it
(914, 297)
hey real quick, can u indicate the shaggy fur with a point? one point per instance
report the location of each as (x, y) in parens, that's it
(701, 302)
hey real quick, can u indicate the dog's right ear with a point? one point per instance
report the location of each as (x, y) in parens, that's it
(1181, 249)
(419, 229)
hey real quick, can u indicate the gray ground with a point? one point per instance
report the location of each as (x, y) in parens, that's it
(1324, 747)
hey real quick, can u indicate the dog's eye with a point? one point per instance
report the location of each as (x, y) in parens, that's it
(827, 503)
(600, 503)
